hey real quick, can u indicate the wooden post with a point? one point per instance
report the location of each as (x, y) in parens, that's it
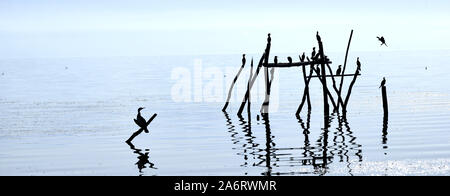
(231, 87)
(141, 129)
(345, 64)
(265, 105)
(385, 102)
(248, 91)
(326, 108)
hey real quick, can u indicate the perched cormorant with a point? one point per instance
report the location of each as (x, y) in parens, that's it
(381, 39)
(289, 59)
(275, 60)
(243, 59)
(383, 82)
(269, 39)
(359, 64)
(313, 53)
(338, 71)
(140, 121)
(303, 57)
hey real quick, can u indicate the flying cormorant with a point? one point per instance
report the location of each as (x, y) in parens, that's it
(140, 121)
(382, 40)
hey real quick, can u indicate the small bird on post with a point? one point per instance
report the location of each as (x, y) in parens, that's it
(338, 71)
(313, 53)
(140, 121)
(289, 59)
(269, 39)
(275, 60)
(303, 57)
(359, 64)
(382, 40)
(243, 59)
(383, 82)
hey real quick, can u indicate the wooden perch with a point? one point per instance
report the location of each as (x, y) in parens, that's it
(298, 64)
(141, 129)
(231, 87)
(332, 75)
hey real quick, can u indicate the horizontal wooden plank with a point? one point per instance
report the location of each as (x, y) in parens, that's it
(296, 64)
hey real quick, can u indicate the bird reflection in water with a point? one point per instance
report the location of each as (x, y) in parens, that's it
(315, 155)
(143, 156)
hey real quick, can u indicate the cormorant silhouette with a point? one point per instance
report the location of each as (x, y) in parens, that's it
(275, 60)
(359, 64)
(269, 39)
(383, 82)
(338, 71)
(313, 53)
(382, 40)
(289, 59)
(243, 59)
(303, 57)
(140, 121)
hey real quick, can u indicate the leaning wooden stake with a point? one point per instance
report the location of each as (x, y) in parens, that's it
(385, 102)
(241, 108)
(344, 109)
(232, 85)
(141, 129)
(248, 91)
(306, 91)
(345, 64)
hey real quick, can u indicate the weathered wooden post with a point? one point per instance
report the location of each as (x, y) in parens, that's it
(343, 70)
(385, 102)
(232, 84)
(265, 105)
(248, 91)
(326, 108)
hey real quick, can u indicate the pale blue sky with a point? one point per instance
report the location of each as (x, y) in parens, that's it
(141, 28)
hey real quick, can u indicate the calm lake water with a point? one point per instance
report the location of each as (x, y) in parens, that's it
(71, 116)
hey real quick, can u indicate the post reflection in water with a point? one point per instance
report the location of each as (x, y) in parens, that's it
(143, 156)
(385, 133)
(307, 159)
